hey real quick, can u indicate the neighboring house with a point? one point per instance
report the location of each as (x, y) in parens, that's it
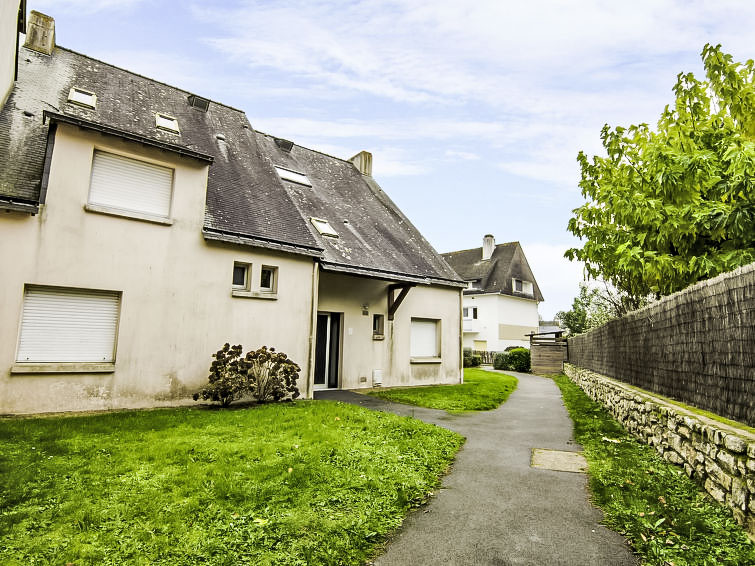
(549, 326)
(142, 226)
(500, 301)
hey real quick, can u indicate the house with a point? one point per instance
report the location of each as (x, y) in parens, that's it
(143, 226)
(501, 298)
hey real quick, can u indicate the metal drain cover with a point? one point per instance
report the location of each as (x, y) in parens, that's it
(558, 460)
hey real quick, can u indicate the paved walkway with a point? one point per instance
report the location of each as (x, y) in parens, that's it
(493, 508)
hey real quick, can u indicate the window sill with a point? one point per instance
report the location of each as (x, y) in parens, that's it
(425, 360)
(63, 367)
(378, 337)
(99, 209)
(240, 293)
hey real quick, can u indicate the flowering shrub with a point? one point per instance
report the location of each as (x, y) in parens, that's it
(265, 374)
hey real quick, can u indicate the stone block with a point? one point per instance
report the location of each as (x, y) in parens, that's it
(717, 474)
(689, 470)
(727, 462)
(715, 490)
(735, 444)
(751, 450)
(684, 432)
(675, 441)
(751, 465)
(739, 495)
(672, 457)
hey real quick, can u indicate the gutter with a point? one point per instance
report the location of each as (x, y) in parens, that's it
(390, 275)
(215, 235)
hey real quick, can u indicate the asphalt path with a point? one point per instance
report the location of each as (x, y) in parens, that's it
(493, 508)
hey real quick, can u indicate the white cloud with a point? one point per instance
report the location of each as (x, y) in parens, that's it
(557, 277)
(82, 6)
(463, 155)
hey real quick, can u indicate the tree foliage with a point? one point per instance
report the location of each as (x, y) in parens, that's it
(671, 206)
(590, 309)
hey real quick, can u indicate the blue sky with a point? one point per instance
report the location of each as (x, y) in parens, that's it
(474, 112)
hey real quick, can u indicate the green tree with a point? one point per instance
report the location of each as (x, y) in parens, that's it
(589, 309)
(671, 206)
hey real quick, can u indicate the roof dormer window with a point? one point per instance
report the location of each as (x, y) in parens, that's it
(82, 97)
(524, 287)
(165, 122)
(293, 176)
(324, 227)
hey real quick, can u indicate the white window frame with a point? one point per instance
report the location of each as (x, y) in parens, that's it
(102, 206)
(273, 287)
(247, 276)
(323, 227)
(293, 176)
(42, 363)
(421, 352)
(82, 97)
(167, 123)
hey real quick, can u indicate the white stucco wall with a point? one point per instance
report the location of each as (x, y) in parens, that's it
(361, 354)
(8, 35)
(176, 307)
(501, 321)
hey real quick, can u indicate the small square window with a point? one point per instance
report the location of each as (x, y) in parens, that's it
(82, 98)
(378, 325)
(324, 227)
(165, 122)
(241, 275)
(293, 176)
(268, 279)
(518, 285)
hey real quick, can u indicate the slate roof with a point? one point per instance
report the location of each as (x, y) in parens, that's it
(495, 274)
(247, 203)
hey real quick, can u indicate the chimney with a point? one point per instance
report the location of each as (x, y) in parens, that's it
(488, 245)
(40, 33)
(363, 162)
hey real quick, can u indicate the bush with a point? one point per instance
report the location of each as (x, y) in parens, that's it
(515, 359)
(472, 361)
(265, 374)
(272, 376)
(228, 379)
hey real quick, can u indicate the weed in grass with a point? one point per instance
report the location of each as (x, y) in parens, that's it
(666, 517)
(481, 391)
(294, 484)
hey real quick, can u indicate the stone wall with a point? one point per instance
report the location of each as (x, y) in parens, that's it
(721, 458)
(695, 346)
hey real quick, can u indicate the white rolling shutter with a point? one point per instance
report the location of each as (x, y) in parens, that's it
(424, 338)
(68, 325)
(131, 185)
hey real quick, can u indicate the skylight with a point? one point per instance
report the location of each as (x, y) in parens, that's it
(82, 98)
(199, 102)
(324, 227)
(165, 122)
(293, 176)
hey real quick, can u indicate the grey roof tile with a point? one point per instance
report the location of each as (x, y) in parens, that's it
(247, 202)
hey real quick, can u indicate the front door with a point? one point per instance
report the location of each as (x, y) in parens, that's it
(327, 350)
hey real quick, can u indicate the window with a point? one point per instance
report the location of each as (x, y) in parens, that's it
(288, 175)
(165, 122)
(199, 102)
(68, 325)
(378, 326)
(82, 98)
(524, 287)
(324, 227)
(130, 187)
(241, 276)
(425, 342)
(469, 312)
(268, 279)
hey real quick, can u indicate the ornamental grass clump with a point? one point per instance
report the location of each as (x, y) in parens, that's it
(263, 374)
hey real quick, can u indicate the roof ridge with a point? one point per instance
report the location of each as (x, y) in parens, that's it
(147, 78)
(479, 248)
(305, 147)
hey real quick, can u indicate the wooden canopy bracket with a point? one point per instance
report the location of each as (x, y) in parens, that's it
(395, 302)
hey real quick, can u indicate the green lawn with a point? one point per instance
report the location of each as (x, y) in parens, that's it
(481, 391)
(303, 483)
(667, 518)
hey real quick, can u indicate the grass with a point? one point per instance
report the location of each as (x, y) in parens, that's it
(666, 517)
(481, 391)
(293, 484)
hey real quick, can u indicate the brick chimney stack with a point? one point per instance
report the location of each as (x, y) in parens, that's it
(40, 33)
(488, 245)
